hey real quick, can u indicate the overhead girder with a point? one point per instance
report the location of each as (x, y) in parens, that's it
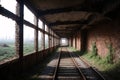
(97, 11)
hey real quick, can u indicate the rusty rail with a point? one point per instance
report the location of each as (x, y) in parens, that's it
(56, 68)
(82, 75)
(98, 73)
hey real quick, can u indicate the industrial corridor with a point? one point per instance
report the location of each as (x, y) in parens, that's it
(59, 39)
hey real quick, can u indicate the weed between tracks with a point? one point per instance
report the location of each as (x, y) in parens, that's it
(104, 65)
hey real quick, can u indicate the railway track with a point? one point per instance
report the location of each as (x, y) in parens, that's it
(66, 67)
(71, 67)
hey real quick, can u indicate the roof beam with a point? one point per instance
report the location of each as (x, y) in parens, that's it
(64, 29)
(34, 10)
(61, 10)
(8, 14)
(68, 22)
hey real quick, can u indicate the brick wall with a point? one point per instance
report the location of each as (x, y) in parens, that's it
(78, 41)
(74, 41)
(103, 35)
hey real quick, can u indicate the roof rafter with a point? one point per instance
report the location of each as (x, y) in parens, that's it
(62, 10)
(68, 22)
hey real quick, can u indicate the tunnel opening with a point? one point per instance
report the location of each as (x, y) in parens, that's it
(64, 42)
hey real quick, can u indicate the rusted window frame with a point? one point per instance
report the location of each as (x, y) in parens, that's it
(19, 18)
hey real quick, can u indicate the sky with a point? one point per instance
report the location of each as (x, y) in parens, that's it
(7, 26)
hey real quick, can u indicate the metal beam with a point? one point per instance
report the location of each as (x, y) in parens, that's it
(68, 22)
(8, 14)
(34, 10)
(61, 10)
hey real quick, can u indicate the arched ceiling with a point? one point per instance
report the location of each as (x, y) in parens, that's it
(67, 16)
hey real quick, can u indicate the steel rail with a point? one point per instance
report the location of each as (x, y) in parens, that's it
(56, 68)
(98, 73)
(81, 73)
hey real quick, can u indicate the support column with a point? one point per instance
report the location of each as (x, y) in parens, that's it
(36, 35)
(72, 41)
(49, 38)
(19, 29)
(53, 40)
(19, 34)
(83, 40)
(69, 42)
(43, 37)
(36, 38)
(52, 37)
(75, 42)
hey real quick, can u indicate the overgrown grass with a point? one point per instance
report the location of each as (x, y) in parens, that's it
(102, 64)
(109, 57)
(112, 70)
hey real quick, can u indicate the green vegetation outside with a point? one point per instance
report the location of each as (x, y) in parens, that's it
(28, 48)
(6, 50)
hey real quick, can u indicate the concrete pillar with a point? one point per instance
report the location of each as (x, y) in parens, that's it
(43, 37)
(36, 34)
(19, 28)
(83, 40)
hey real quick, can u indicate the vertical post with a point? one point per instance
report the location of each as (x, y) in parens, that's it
(44, 36)
(72, 41)
(68, 42)
(59, 41)
(75, 41)
(53, 40)
(36, 34)
(43, 39)
(56, 41)
(19, 33)
(19, 29)
(36, 37)
(49, 37)
(83, 40)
